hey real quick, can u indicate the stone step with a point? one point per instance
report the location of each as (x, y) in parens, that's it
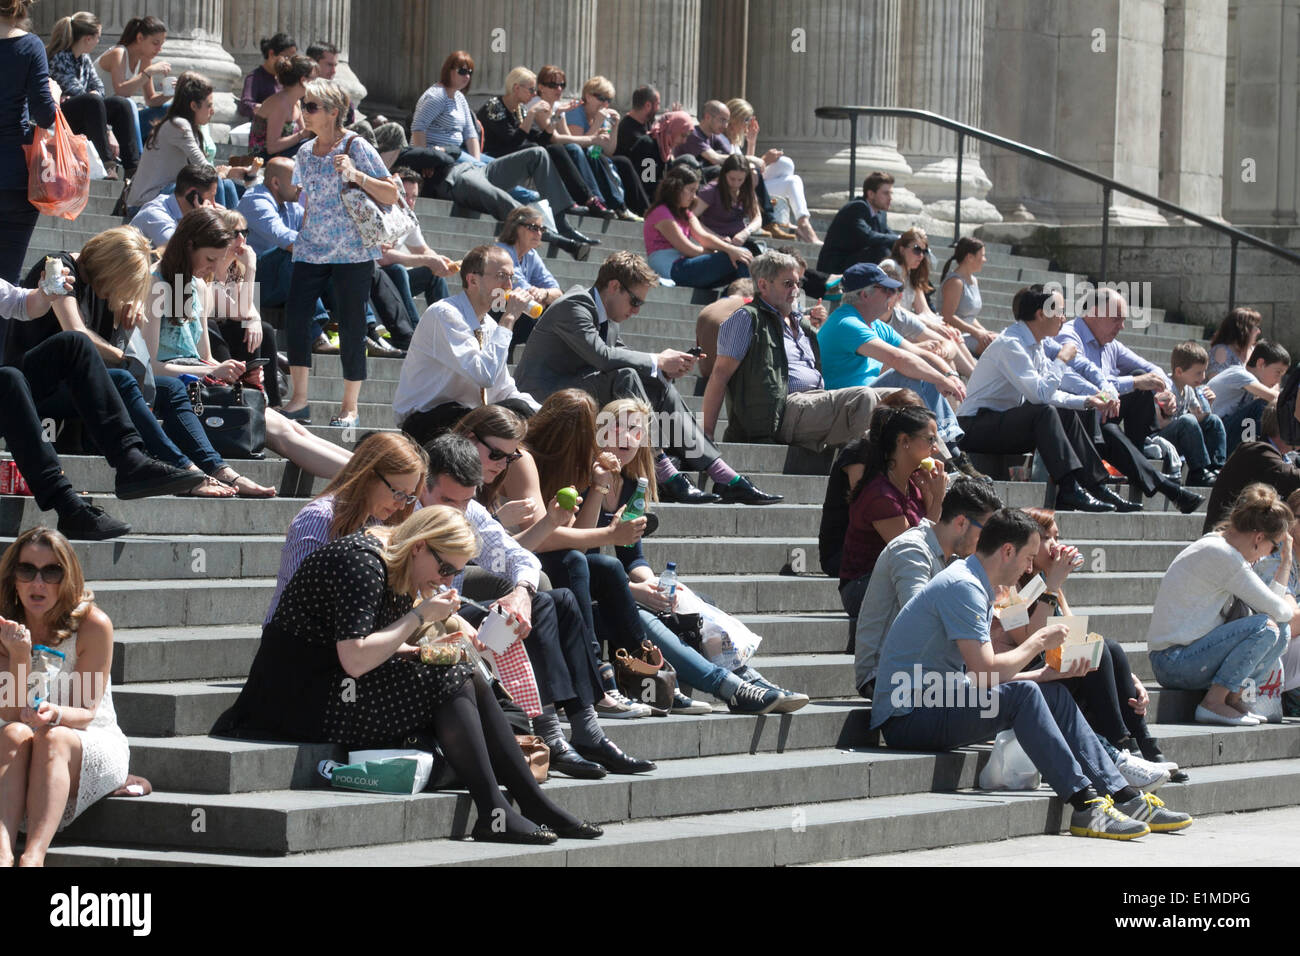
(769, 833)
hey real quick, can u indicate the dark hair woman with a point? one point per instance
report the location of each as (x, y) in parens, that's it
(1233, 340)
(262, 81)
(133, 66)
(278, 128)
(729, 206)
(679, 247)
(960, 301)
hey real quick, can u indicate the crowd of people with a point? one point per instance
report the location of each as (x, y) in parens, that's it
(507, 480)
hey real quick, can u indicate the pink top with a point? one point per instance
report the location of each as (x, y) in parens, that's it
(654, 239)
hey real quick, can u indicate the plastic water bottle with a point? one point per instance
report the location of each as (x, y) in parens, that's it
(594, 152)
(636, 506)
(668, 582)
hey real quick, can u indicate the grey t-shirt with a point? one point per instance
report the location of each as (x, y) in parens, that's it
(1229, 388)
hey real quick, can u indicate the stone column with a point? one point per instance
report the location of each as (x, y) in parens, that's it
(400, 55)
(651, 41)
(828, 53)
(1260, 171)
(942, 70)
(194, 31)
(723, 62)
(1191, 122)
(248, 21)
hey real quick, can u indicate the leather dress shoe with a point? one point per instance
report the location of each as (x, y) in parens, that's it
(542, 836)
(1203, 478)
(569, 232)
(579, 251)
(742, 491)
(607, 754)
(378, 347)
(962, 463)
(323, 345)
(1105, 495)
(1076, 499)
(678, 490)
(1187, 501)
(580, 831)
(571, 764)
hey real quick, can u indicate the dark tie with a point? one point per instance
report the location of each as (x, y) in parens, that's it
(603, 329)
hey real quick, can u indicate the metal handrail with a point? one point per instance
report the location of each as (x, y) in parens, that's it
(1107, 184)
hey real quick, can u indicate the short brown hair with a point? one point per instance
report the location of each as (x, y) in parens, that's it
(515, 221)
(476, 259)
(875, 180)
(1187, 354)
(1268, 426)
(550, 75)
(455, 61)
(627, 269)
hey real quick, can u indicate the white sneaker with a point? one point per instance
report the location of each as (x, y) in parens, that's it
(622, 708)
(1141, 773)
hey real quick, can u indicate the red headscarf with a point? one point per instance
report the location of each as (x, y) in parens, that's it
(668, 128)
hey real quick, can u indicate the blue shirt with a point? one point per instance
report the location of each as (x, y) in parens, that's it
(328, 234)
(735, 335)
(840, 337)
(271, 224)
(158, 217)
(956, 605)
(530, 270)
(1117, 361)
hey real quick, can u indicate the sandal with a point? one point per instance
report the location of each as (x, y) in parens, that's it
(209, 487)
(244, 487)
(346, 421)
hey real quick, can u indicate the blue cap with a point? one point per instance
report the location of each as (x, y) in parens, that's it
(864, 274)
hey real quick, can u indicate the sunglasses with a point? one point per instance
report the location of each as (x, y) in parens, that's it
(536, 227)
(603, 99)
(636, 302)
(496, 454)
(553, 86)
(311, 107)
(465, 71)
(50, 573)
(445, 568)
(921, 249)
(242, 233)
(401, 497)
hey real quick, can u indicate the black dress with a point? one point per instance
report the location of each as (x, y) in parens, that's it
(297, 689)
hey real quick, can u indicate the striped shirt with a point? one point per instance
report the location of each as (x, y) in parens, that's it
(445, 121)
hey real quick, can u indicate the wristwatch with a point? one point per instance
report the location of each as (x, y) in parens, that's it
(530, 588)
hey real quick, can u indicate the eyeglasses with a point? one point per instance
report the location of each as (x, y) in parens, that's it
(401, 497)
(553, 86)
(242, 233)
(496, 454)
(445, 568)
(918, 248)
(790, 283)
(636, 302)
(532, 90)
(50, 573)
(502, 275)
(465, 71)
(311, 107)
(536, 227)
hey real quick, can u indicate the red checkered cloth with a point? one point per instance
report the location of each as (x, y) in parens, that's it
(516, 675)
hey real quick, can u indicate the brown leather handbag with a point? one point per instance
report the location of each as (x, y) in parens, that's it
(646, 678)
(536, 754)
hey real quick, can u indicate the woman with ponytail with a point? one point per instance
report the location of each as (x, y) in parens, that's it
(1195, 640)
(132, 69)
(959, 293)
(900, 484)
(262, 82)
(84, 104)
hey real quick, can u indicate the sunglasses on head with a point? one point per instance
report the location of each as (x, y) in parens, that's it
(465, 71)
(445, 568)
(401, 497)
(311, 106)
(496, 454)
(636, 302)
(50, 573)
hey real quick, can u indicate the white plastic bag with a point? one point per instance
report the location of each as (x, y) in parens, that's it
(1009, 767)
(1265, 699)
(97, 170)
(727, 642)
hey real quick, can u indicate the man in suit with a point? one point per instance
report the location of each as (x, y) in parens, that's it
(1252, 461)
(576, 345)
(859, 232)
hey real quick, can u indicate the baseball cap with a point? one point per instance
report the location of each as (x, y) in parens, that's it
(864, 274)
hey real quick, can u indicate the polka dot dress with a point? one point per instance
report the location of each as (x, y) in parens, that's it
(297, 688)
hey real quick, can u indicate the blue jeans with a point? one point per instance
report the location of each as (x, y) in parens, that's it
(1047, 723)
(1234, 423)
(156, 442)
(413, 282)
(706, 271)
(182, 426)
(945, 417)
(583, 165)
(1227, 656)
(227, 194)
(693, 669)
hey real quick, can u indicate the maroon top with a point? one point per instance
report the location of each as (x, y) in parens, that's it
(879, 501)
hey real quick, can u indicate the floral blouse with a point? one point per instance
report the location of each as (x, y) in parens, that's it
(328, 233)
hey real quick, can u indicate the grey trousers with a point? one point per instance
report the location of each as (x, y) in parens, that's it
(484, 188)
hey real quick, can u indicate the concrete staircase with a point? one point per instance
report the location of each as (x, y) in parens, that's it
(188, 589)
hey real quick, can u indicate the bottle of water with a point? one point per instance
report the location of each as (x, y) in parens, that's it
(668, 582)
(636, 505)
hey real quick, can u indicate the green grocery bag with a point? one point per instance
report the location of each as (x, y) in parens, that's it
(381, 771)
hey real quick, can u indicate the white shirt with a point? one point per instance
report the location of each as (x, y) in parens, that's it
(1013, 370)
(445, 363)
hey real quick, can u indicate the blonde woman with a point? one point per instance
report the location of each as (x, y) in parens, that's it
(590, 121)
(776, 168)
(348, 621)
(60, 754)
(378, 485)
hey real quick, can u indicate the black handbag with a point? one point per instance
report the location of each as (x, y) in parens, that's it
(233, 416)
(688, 627)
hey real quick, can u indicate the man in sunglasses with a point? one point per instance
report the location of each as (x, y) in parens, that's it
(196, 185)
(576, 345)
(459, 354)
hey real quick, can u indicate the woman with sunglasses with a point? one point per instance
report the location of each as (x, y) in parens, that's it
(1192, 643)
(520, 235)
(338, 663)
(911, 253)
(588, 122)
(378, 485)
(62, 750)
(443, 119)
(329, 251)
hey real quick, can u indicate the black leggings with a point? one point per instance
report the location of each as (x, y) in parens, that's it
(227, 341)
(93, 115)
(1103, 696)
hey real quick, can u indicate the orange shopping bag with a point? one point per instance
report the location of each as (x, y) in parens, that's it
(58, 170)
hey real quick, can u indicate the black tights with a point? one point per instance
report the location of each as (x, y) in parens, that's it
(1103, 697)
(473, 734)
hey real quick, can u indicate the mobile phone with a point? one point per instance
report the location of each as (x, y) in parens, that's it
(256, 363)
(697, 351)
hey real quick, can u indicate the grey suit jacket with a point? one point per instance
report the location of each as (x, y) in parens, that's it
(566, 348)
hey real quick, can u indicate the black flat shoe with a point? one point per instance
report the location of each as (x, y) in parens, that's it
(1076, 499)
(542, 836)
(569, 763)
(607, 754)
(743, 492)
(651, 524)
(1106, 496)
(1187, 501)
(580, 831)
(678, 490)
